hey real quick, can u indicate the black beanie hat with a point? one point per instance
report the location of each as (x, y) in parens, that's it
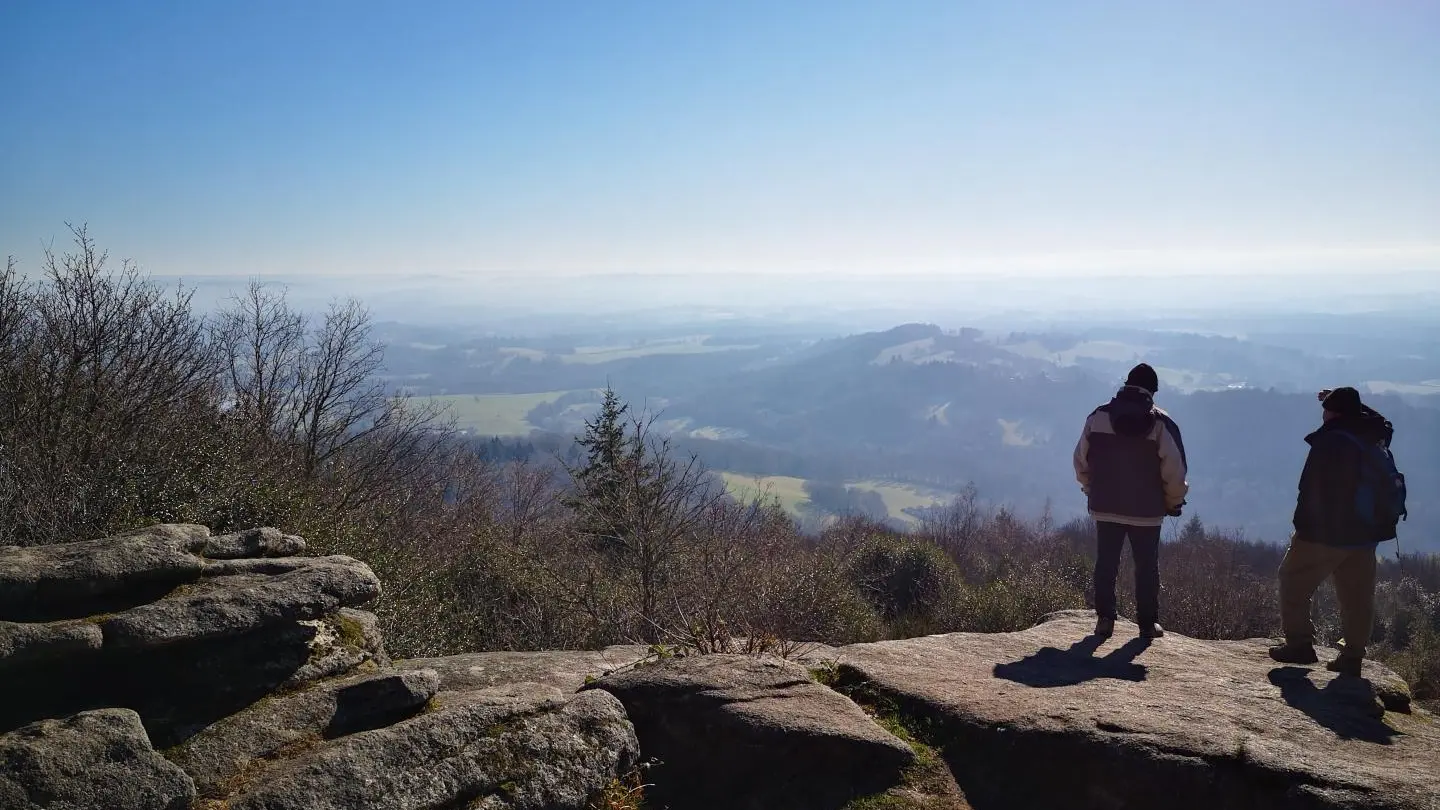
(1143, 376)
(1344, 401)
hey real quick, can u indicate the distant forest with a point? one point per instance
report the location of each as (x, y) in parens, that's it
(941, 409)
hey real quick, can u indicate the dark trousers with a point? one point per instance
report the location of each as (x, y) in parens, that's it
(1145, 549)
(1306, 565)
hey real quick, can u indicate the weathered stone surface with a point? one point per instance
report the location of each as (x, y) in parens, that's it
(523, 746)
(93, 760)
(73, 580)
(566, 670)
(1133, 724)
(29, 644)
(226, 750)
(737, 731)
(343, 641)
(218, 607)
(181, 688)
(264, 542)
(360, 628)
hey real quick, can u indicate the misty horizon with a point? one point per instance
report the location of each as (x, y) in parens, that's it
(913, 296)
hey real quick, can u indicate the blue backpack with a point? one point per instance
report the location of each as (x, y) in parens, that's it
(1380, 497)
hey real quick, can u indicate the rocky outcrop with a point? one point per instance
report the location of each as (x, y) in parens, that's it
(184, 640)
(1129, 723)
(263, 685)
(168, 668)
(734, 731)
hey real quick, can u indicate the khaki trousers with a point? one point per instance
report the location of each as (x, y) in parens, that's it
(1305, 567)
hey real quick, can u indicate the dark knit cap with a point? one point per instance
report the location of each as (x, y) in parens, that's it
(1344, 401)
(1143, 376)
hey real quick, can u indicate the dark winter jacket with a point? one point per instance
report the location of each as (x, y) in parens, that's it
(1325, 510)
(1130, 461)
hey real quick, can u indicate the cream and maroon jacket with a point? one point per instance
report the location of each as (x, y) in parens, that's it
(1130, 461)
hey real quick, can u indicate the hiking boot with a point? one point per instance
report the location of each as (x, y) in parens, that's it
(1152, 631)
(1346, 665)
(1104, 628)
(1288, 653)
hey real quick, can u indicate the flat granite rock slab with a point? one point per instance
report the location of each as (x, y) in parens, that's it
(1299, 736)
(566, 670)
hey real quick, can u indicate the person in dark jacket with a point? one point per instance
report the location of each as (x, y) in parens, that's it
(1130, 462)
(1330, 539)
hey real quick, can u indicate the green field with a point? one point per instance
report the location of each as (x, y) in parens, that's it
(495, 414)
(604, 354)
(790, 492)
(899, 497)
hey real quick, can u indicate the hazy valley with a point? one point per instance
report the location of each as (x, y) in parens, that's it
(900, 419)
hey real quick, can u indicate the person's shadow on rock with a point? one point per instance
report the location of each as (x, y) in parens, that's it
(1346, 706)
(1051, 666)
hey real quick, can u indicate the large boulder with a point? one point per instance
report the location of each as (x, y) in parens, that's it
(263, 686)
(229, 749)
(520, 747)
(99, 759)
(735, 731)
(1131, 723)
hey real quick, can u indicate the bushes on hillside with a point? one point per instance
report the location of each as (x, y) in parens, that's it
(912, 585)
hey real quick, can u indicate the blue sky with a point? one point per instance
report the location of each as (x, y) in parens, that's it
(493, 139)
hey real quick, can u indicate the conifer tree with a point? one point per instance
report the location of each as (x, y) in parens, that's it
(613, 459)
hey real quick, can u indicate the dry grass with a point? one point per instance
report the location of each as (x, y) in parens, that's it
(625, 792)
(926, 785)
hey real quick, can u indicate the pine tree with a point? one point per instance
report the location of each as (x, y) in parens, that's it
(610, 456)
(604, 445)
(1194, 530)
(645, 512)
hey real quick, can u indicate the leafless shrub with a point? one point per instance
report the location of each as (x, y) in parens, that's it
(107, 396)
